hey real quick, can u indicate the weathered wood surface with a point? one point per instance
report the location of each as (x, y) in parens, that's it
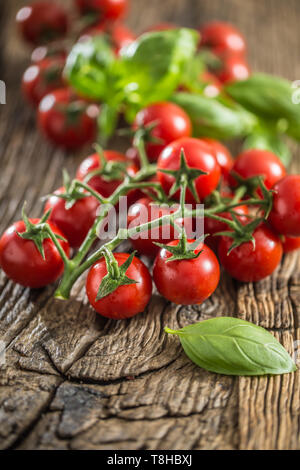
(73, 380)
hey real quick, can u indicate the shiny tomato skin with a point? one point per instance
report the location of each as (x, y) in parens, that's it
(211, 226)
(144, 211)
(63, 129)
(172, 123)
(290, 244)
(223, 38)
(223, 155)
(248, 264)
(76, 221)
(187, 282)
(234, 69)
(126, 301)
(103, 187)
(22, 262)
(285, 214)
(255, 162)
(42, 21)
(213, 85)
(107, 10)
(198, 155)
(41, 78)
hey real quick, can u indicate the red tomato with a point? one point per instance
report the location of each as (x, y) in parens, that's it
(76, 221)
(198, 155)
(45, 52)
(285, 215)
(224, 157)
(257, 162)
(133, 155)
(42, 78)
(120, 36)
(187, 282)
(248, 264)
(22, 262)
(213, 86)
(172, 124)
(234, 69)
(290, 244)
(125, 301)
(105, 9)
(212, 226)
(42, 22)
(100, 184)
(223, 38)
(142, 212)
(66, 120)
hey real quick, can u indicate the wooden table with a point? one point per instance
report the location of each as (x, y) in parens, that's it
(73, 380)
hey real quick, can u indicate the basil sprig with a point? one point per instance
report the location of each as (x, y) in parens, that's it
(231, 346)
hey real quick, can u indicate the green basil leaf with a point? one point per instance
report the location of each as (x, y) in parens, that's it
(271, 142)
(150, 68)
(88, 68)
(107, 122)
(270, 97)
(231, 346)
(215, 118)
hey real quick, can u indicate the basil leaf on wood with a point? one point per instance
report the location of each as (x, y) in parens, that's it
(214, 118)
(269, 97)
(231, 346)
(271, 142)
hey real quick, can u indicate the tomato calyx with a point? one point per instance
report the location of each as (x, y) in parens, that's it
(72, 191)
(184, 175)
(116, 275)
(242, 233)
(109, 170)
(38, 232)
(256, 188)
(184, 250)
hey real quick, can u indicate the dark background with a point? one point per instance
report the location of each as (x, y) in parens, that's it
(76, 381)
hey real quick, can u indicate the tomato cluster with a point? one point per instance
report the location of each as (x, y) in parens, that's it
(252, 207)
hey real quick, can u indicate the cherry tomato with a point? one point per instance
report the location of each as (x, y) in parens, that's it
(45, 52)
(142, 212)
(119, 35)
(234, 69)
(211, 226)
(132, 154)
(42, 22)
(223, 38)
(42, 78)
(257, 162)
(198, 155)
(285, 214)
(105, 9)
(213, 86)
(224, 157)
(186, 282)
(66, 120)
(22, 262)
(104, 187)
(290, 244)
(172, 124)
(126, 301)
(76, 221)
(248, 264)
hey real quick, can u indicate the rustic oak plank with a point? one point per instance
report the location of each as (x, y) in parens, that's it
(76, 381)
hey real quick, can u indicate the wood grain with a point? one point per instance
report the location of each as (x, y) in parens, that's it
(73, 380)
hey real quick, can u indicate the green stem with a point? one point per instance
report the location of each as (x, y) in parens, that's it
(58, 246)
